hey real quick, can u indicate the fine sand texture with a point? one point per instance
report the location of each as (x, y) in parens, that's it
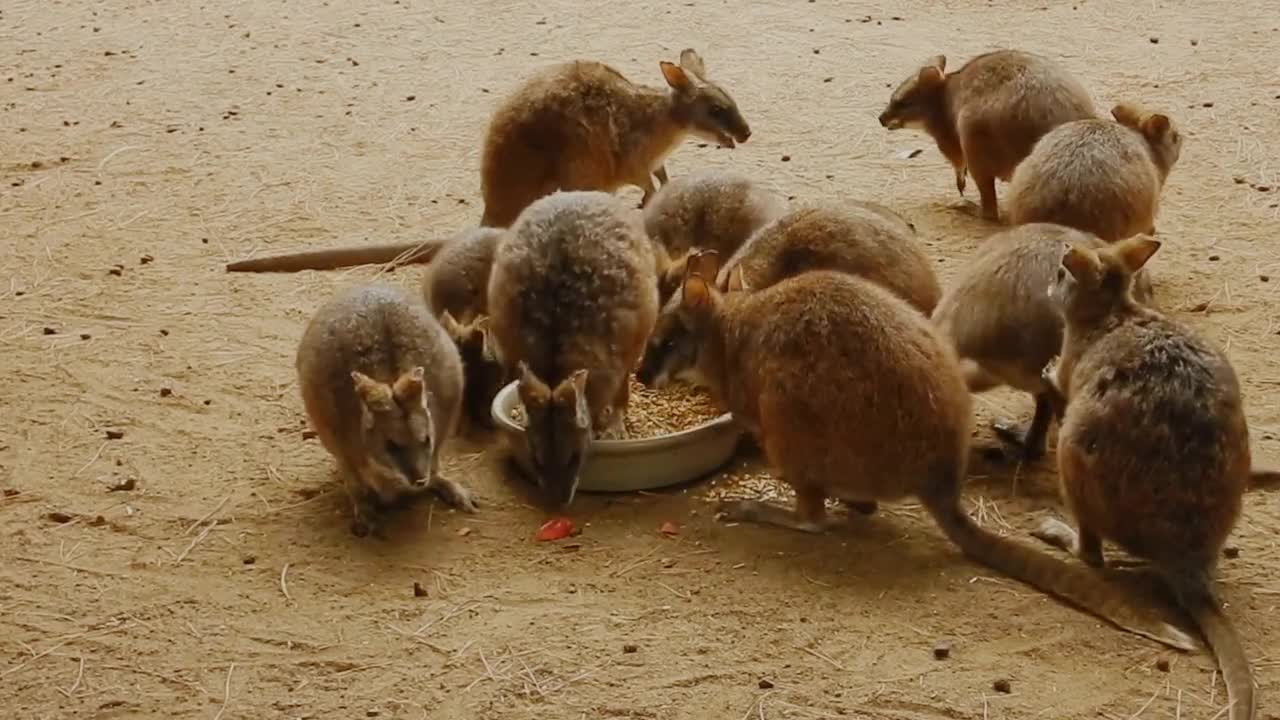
(175, 543)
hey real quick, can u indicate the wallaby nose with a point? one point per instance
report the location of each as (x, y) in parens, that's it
(884, 120)
(746, 135)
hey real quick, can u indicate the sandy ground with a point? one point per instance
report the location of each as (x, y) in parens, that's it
(143, 144)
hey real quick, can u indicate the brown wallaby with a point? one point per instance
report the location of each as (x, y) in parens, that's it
(572, 298)
(382, 386)
(1099, 176)
(582, 125)
(986, 116)
(483, 372)
(1153, 450)
(864, 239)
(710, 209)
(1005, 327)
(457, 280)
(852, 394)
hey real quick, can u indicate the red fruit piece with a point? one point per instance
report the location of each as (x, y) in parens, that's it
(669, 528)
(555, 529)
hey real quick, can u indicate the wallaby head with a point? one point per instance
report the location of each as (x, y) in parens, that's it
(399, 432)
(483, 372)
(1157, 129)
(916, 97)
(1095, 283)
(672, 351)
(710, 112)
(558, 430)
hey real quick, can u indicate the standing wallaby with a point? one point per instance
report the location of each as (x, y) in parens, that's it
(986, 116)
(382, 386)
(457, 280)
(572, 299)
(853, 395)
(1153, 451)
(581, 125)
(1005, 327)
(1098, 176)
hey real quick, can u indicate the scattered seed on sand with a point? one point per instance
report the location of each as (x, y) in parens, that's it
(115, 434)
(1002, 686)
(942, 650)
(418, 590)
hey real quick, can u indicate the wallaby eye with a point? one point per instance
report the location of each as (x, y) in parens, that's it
(721, 113)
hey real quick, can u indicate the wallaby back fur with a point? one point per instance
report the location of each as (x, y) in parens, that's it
(572, 289)
(1100, 176)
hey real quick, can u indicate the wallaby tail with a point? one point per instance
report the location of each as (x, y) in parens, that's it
(1075, 584)
(1195, 595)
(332, 258)
(1264, 479)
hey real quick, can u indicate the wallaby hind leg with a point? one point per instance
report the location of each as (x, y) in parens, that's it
(1029, 444)
(810, 514)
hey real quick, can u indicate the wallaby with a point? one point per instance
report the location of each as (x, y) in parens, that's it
(572, 299)
(582, 125)
(1153, 450)
(852, 394)
(986, 116)
(1098, 176)
(1003, 323)
(863, 239)
(457, 280)
(382, 386)
(710, 209)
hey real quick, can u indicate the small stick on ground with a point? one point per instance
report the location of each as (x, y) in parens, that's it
(196, 541)
(226, 693)
(69, 692)
(208, 515)
(284, 584)
(823, 657)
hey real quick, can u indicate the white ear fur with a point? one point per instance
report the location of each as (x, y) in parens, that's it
(582, 413)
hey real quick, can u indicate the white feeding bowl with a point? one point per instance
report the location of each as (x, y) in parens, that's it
(629, 465)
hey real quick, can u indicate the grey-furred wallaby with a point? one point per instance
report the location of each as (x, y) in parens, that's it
(572, 298)
(382, 387)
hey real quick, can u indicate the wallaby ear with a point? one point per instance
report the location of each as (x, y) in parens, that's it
(930, 76)
(675, 76)
(1080, 262)
(578, 378)
(702, 262)
(1127, 115)
(1155, 126)
(375, 395)
(572, 393)
(410, 386)
(532, 390)
(691, 61)
(737, 283)
(1134, 252)
(696, 293)
(938, 61)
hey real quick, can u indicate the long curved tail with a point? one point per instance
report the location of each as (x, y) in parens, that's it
(332, 258)
(1264, 479)
(1195, 594)
(1076, 584)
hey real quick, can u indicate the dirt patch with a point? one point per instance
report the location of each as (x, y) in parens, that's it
(142, 145)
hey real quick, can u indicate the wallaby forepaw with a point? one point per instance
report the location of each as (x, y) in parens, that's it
(1014, 438)
(454, 493)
